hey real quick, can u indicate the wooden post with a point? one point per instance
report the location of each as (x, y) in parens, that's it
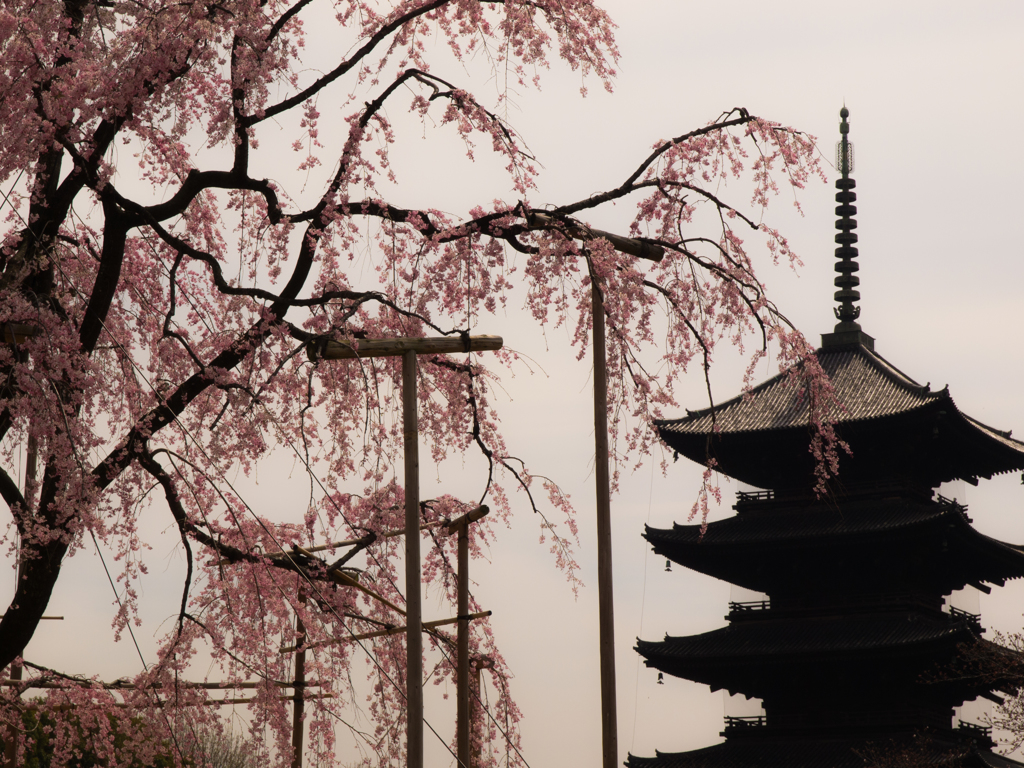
(462, 641)
(609, 720)
(413, 610)
(300, 687)
(462, 725)
(481, 663)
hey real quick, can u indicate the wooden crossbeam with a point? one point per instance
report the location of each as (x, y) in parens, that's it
(225, 702)
(221, 686)
(329, 349)
(351, 542)
(470, 517)
(385, 632)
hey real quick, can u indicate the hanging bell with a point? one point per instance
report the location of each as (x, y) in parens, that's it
(661, 678)
(668, 566)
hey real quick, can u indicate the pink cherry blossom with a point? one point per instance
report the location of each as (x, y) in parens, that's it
(175, 297)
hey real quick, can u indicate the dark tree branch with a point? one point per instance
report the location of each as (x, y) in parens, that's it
(115, 231)
(11, 494)
(346, 66)
(284, 18)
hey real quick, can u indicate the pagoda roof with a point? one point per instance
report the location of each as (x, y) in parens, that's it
(760, 657)
(802, 638)
(821, 753)
(867, 385)
(745, 549)
(880, 404)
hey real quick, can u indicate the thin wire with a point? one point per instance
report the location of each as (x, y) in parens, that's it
(643, 602)
(7, 199)
(117, 597)
(145, 667)
(508, 739)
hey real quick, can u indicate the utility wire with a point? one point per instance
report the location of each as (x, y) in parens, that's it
(643, 603)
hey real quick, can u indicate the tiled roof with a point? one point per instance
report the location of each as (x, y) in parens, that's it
(749, 547)
(836, 753)
(826, 521)
(786, 637)
(995, 434)
(807, 523)
(894, 426)
(865, 383)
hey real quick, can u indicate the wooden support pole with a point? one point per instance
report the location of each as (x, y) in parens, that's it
(413, 634)
(609, 720)
(462, 725)
(299, 702)
(462, 717)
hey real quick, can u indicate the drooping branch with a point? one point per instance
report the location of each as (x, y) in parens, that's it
(344, 67)
(630, 184)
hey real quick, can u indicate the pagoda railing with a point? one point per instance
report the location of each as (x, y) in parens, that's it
(979, 733)
(828, 604)
(749, 496)
(749, 606)
(804, 496)
(973, 619)
(975, 729)
(842, 720)
(744, 724)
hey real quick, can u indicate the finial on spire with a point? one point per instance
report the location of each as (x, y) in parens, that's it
(847, 330)
(844, 149)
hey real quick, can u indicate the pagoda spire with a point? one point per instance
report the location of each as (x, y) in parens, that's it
(847, 330)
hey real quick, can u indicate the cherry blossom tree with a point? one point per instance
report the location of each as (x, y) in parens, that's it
(197, 196)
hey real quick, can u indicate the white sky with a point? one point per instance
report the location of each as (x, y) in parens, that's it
(934, 91)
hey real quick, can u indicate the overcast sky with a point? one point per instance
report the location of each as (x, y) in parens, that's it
(934, 91)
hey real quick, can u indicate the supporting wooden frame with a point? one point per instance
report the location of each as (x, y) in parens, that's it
(408, 349)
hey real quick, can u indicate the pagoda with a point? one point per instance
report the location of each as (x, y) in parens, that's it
(852, 653)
